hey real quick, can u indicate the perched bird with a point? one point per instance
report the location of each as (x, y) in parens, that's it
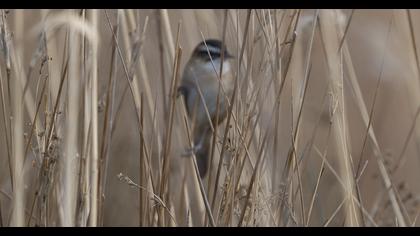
(199, 87)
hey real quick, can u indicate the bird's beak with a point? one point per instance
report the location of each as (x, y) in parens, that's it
(228, 55)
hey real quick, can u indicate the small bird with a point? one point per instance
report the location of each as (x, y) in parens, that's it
(201, 75)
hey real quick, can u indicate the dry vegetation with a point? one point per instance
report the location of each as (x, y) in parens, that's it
(321, 129)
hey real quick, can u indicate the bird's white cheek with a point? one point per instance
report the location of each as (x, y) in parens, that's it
(215, 66)
(226, 67)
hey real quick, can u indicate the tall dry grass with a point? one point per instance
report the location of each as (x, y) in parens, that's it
(321, 129)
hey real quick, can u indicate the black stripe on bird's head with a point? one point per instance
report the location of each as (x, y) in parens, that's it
(211, 48)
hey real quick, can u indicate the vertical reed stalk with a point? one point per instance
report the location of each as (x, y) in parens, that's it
(71, 126)
(330, 38)
(96, 197)
(18, 218)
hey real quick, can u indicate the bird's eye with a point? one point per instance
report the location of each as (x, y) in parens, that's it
(205, 54)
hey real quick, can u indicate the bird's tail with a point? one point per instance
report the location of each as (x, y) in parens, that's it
(202, 155)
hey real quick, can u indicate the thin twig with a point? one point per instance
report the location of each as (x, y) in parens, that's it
(127, 180)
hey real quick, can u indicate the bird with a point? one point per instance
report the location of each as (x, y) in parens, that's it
(200, 86)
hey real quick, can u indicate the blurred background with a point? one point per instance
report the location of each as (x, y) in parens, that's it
(322, 133)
